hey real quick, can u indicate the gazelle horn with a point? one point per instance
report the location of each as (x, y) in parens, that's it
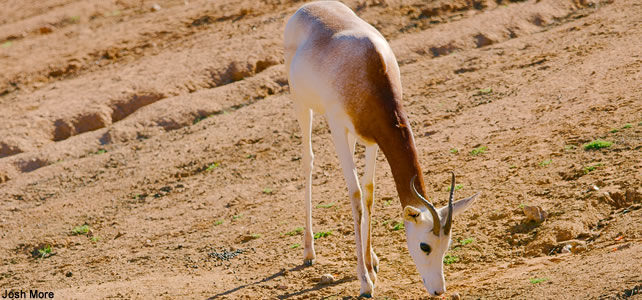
(449, 218)
(431, 208)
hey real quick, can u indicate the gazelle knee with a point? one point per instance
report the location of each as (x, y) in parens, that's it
(368, 190)
(355, 198)
(307, 168)
(356, 195)
(308, 164)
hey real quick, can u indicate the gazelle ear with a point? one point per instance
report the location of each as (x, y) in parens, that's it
(411, 214)
(462, 205)
(459, 206)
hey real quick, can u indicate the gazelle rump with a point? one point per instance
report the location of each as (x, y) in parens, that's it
(341, 67)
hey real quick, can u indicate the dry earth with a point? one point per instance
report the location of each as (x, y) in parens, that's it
(169, 132)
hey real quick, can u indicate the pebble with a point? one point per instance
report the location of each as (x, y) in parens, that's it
(326, 279)
(156, 7)
(535, 213)
(45, 29)
(282, 287)
(455, 296)
(69, 274)
(578, 249)
(573, 246)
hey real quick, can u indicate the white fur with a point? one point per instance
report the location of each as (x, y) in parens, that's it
(315, 91)
(419, 230)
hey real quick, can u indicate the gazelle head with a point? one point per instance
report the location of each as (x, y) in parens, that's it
(428, 236)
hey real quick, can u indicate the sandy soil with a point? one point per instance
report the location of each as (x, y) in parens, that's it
(169, 132)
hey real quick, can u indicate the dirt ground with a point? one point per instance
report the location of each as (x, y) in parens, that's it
(166, 127)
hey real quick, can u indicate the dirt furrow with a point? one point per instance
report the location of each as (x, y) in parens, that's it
(183, 159)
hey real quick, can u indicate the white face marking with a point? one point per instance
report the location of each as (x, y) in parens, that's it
(419, 227)
(429, 263)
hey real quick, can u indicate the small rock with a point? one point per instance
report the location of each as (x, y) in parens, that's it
(69, 274)
(249, 237)
(156, 7)
(45, 29)
(148, 243)
(573, 246)
(535, 213)
(455, 296)
(595, 188)
(578, 249)
(282, 287)
(326, 279)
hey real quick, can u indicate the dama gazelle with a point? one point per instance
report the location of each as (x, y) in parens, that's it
(340, 66)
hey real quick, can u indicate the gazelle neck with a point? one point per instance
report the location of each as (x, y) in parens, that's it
(398, 145)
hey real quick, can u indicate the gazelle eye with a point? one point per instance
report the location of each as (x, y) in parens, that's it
(425, 248)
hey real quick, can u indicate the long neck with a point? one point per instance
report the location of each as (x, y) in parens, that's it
(398, 145)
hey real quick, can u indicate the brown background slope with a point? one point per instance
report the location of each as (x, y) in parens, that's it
(171, 134)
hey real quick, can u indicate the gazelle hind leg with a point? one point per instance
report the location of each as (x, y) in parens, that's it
(352, 143)
(341, 143)
(367, 182)
(304, 115)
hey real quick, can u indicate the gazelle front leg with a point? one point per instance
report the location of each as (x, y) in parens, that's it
(304, 115)
(367, 182)
(344, 152)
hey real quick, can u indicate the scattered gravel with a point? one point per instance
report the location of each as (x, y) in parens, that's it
(224, 254)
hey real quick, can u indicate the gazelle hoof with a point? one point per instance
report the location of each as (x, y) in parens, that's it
(308, 262)
(365, 295)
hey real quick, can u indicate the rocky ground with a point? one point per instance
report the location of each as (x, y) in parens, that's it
(167, 129)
